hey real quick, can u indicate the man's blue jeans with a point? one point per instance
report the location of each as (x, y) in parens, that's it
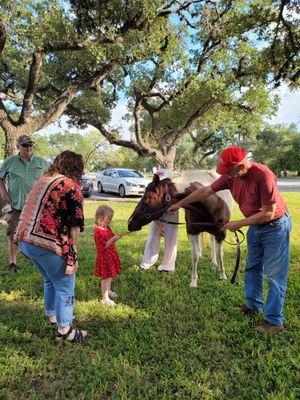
(268, 254)
(58, 287)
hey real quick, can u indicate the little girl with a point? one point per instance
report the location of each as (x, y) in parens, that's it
(108, 263)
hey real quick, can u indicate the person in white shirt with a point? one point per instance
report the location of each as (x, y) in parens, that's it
(162, 229)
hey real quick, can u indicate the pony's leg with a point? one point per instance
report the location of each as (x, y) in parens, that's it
(200, 243)
(220, 259)
(213, 254)
(194, 240)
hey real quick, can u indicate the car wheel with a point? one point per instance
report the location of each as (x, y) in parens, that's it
(122, 192)
(100, 187)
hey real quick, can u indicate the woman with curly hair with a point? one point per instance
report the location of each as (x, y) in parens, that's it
(49, 226)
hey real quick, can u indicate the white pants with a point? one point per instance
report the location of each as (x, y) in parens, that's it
(151, 252)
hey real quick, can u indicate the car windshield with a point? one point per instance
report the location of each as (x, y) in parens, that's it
(129, 174)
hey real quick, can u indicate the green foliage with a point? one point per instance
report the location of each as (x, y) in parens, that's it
(174, 63)
(126, 158)
(278, 147)
(90, 145)
(73, 52)
(162, 341)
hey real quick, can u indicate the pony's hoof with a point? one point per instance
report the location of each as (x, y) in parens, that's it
(223, 277)
(193, 284)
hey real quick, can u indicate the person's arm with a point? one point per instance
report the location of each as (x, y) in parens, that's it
(265, 215)
(4, 194)
(160, 228)
(72, 262)
(198, 195)
(74, 233)
(112, 240)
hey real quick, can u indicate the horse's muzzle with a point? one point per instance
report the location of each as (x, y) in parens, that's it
(134, 226)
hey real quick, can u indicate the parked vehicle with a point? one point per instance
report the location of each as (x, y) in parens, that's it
(123, 181)
(86, 186)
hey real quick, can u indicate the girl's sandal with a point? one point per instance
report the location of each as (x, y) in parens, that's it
(78, 336)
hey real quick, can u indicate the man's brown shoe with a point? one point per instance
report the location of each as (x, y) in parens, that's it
(267, 327)
(246, 310)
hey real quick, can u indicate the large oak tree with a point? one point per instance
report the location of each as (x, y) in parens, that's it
(50, 56)
(178, 65)
(218, 72)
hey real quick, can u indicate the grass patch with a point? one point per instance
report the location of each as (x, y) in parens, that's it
(163, 340)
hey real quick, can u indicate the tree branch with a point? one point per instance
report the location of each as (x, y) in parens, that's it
(2, 35)
(5, 119)
(34, 74)
(197, 114)
(56, 110)
(181, 7)
(91, 151)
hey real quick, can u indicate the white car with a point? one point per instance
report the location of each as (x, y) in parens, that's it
(123, 181)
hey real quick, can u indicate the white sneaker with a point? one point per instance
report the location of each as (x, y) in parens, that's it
(162, 268)
(108, 303)
(112, 294)
(145, 267)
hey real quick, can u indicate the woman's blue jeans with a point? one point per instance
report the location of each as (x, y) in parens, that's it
(268, 255)
(58, 287)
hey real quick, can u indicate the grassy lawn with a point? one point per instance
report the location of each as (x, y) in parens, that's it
(163, 340)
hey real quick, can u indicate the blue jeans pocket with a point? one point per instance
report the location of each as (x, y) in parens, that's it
(278, 223)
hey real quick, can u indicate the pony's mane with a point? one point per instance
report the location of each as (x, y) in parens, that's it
(161, 184)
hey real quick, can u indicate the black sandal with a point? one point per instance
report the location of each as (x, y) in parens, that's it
(78, 337)
(50, 322)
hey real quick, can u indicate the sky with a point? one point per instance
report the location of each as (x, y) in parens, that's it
(289, 109)
(288, 112)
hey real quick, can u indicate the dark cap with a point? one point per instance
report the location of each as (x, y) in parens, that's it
(23, 139)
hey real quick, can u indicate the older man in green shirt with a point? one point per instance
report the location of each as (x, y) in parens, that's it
(22, 171)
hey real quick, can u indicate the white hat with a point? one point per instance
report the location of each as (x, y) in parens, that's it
(162, 173)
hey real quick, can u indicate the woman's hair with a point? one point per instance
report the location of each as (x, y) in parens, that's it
(103, 211)
(69, 164)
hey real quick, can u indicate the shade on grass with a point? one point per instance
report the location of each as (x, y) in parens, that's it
(163, 340)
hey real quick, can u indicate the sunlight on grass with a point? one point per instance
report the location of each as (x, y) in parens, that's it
(163, 341)
(94, 309)
(14, 295)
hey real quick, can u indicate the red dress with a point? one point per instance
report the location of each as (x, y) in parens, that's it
(108, 263)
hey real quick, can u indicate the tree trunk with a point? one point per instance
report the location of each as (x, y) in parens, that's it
(168, 164)
(167, 161)
(11, 136)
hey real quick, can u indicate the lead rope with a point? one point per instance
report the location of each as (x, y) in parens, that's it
(237, 241)
(238, 253)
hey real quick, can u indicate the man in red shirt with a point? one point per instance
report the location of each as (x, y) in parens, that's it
(254, 187)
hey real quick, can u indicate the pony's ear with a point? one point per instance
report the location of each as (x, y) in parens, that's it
(155, 179)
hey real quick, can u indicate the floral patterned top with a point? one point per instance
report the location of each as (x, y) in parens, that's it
(53, 207)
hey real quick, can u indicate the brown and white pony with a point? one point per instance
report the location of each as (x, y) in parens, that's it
(208, 216)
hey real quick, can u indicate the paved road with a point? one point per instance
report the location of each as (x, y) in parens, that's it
(285, 185)
(289, 185)
(113, 197)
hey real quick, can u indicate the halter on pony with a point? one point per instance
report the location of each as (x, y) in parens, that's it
(219, 225)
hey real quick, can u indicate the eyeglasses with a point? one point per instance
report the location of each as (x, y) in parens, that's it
(27, 145)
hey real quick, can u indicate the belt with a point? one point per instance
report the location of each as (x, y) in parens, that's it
(286, 214)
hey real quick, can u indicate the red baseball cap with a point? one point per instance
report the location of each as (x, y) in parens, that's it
(229, 157)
